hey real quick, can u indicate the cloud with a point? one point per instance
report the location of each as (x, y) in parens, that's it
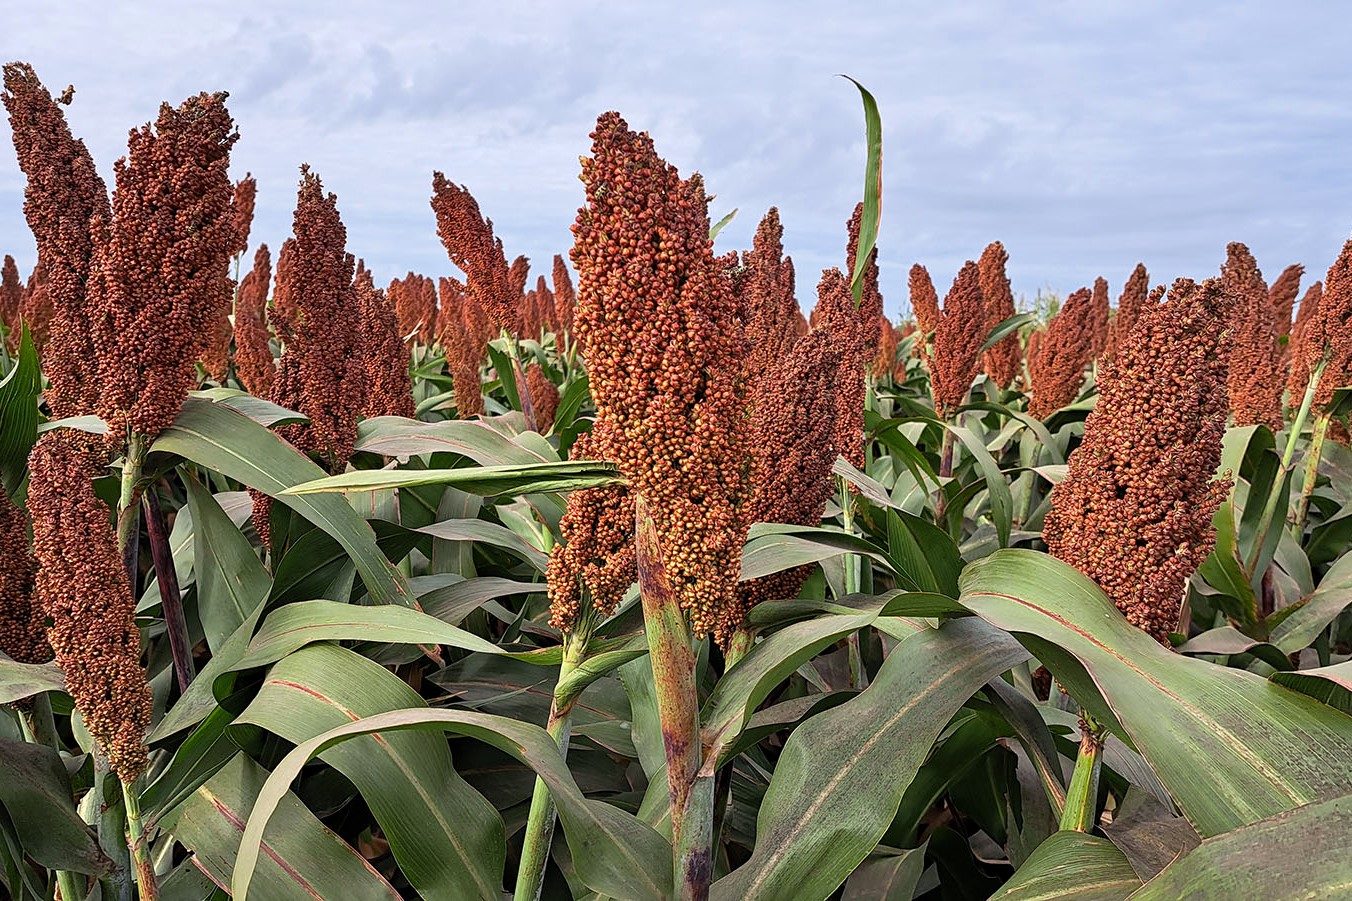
(1085, 137)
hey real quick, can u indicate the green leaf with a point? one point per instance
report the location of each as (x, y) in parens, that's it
(1073, 866)
(887, 875)
(19, 391)
(1002, 504)
(841, 776)
(230, 443)
(613, 852)
(1007, 328)
(231, 580)
(1301, 853)
(1231, 747)
(446, 838)
(263, 412)
(23, 680)
(922, 554)
(774, 547)
(293, 626)
(502, 365)
(1300, 628)
(301, 860)
(489, 533)
(721, 224)
(394, 436)
(1331, 685)
(486, 481)
(873, 190)
(35, 790)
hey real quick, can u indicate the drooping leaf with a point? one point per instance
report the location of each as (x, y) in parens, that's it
(487, 481)
(1072, 866)
(23, 680)
(19, 413)
(231, 580)
(873, 190)
(35, 790)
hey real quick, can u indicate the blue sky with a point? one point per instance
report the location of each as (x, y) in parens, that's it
(1085, 136)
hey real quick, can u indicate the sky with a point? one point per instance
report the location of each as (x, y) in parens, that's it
(1084, 136)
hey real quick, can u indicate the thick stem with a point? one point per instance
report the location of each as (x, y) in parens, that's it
(110, 822)
(1082, 796)
(171, 602)
(1312, 455)
(851, 563)
(140, 849)
(673, 661)
(128, 507)
(530, 877)
(945, 471)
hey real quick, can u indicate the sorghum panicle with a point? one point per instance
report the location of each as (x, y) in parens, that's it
(1255, 384)
(22, 632)
(661, 334)
(544, 397)
(957, 341)
(389, 388)
(1134, 511)
(1302, 334)
(1129, 305)
(1283, 295)
(565, 298)
(11, 294)
(469, 242)
(1064, 349)
(1001, 362)
(460, 325)
(161, 271)
(1331, 329)
(885, 357)
(768, 296)
(925, 304)
(83, 589)
(63, 195)
(254, 364)
(1099, 313)
(321, 373)
(242, 212)
(37, 311)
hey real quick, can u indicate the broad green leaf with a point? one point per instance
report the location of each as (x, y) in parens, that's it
(231, 580)
(842, 774)
(446, 838)
(301, 860)
(997, 489)
(612, 852)
(1231, 747)
(503, 365)
(234, 445)
(19, 413)
(293, 626)
(394, 436)
(488, 533)
(1073, 866)
(721, 224)
(1227, 640)
(1301, 853)
(199, 700)
(873, 190)
(888, 874)
(1007, 328)
(35, 791)
(1299, 629)
(922, 554)
(264, 412)
(1331, 685)
(774, 547)
(23, 680)
(486, 481)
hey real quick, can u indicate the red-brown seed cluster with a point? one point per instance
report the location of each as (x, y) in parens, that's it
(462, 325)
(1064, 349)
(1330, 330)
(1001, 362)
(1134, 512)
(389, 387)
(469, 242)
(594, 565)
(885, 358)
(1099, 311)
(11, 294)
(767, 297)
(1255, 383)
(63, 195)
(82, 587)
(1298, 378)
(957, 341)
(925, 305)
(161, 272)
(662, 340)
(544, 397)
(321, 373)
(216, 356)
(242, 212)
(793, 448)
(537, 312)
(22, 633)
(37, 310)
(414, 298)
(1283, 298)
(254, 364)
(565, 298)
(1129, 305)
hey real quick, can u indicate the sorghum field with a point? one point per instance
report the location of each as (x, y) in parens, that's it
(317, 589)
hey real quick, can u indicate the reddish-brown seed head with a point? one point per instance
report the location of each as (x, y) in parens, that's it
(565, 298)
(470, 243)
(1283, 296)
(1255, 383)
(161, 279)
(63, 195)
(957, 341)
(1134, 511)
(1001, 362)
(768, 297)
(22, 635)
(82, 587)
(544, 397)
(461, 324)
(11, 294)
(1064, 349)
(242, 212)
(1099, 312)
(925, 305)
(254, 364)
(1129, 305)
(389, 388)
(1330, 329)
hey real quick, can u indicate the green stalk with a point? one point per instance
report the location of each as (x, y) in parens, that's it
(743, 640)
(851, 563)
(673, 661)
(1274, 496)
(140, 850)
(109, 820)
(945, 471)
(1082, 796)
(1312, 455)
(128, 506)
(530, 877)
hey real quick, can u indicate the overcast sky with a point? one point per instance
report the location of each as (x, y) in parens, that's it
(1085, 136)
